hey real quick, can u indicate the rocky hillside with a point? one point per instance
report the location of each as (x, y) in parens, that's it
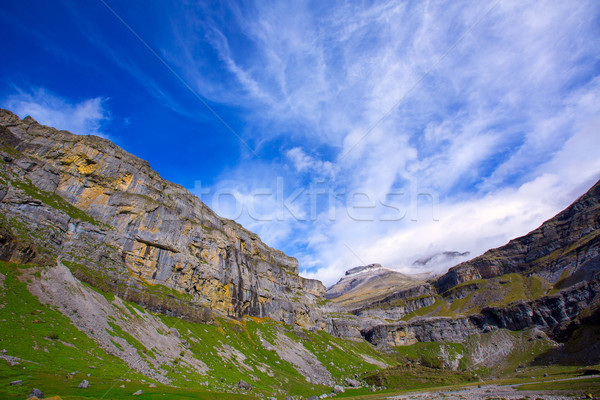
(116, 280)
(58, 333)
(373, 293)
(546, 280)
(116, 224)
(565, 246)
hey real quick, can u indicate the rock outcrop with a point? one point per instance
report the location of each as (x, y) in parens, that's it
(565, 242)
(550, 314)
(119, 226)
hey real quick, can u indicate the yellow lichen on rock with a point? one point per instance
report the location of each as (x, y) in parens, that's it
(82, 159)
(92, 196)
(125, 182)
(402, 337)
(218, 294)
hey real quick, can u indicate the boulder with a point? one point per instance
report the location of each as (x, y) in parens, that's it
(36, 393)
(337, 389)
(352, 382)
(84, 384)
(244, 385)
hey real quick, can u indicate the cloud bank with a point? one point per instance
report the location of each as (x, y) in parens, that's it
(476, 122)
(381, 132)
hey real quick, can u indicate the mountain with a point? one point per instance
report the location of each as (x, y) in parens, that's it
(104, 213)
(566, 247)
(366, 284)
(371, 291)
(114, 280)
(547, 279)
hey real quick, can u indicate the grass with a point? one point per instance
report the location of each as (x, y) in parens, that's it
(55, 201)
(429, 353)
(438, 309)
(477, 294)
(272, 374)
(408, 377)
(46, 338)
(32, 331)
(232, 351)
(578, 386)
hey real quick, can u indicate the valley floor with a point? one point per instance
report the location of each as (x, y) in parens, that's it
(512, 391)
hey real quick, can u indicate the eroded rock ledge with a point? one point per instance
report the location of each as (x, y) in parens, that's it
(119, 226)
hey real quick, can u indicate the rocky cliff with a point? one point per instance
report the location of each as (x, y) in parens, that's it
(84, 202)
(564, 244)
(553, 314)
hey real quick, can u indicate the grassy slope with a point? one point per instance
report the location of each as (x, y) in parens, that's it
(43, 335)
(32, 331)
(475, 295)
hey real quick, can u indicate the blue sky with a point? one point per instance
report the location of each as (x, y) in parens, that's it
(344, 133)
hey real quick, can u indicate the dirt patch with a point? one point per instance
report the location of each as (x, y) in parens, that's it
(102, 320)
(482, 393)
(303, 360)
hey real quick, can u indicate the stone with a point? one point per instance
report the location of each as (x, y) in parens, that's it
(16, 383)
(244, 385)
(152, 385)
(337, 389)
(36, 393)
(138, 393)
(84, 384)
(352, 382)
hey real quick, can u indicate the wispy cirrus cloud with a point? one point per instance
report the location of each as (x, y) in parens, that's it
(394, 129)
(492, 132)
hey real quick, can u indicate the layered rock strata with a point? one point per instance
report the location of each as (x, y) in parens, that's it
(121, 227)
(565, 242)
(551, 314)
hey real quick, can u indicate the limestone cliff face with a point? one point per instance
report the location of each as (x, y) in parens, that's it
(563, 244)
(552, 314)
(117, 224)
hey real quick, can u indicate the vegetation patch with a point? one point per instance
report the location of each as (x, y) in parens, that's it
(408, 377)
(55, 201)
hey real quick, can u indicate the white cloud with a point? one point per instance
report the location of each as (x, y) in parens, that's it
(83, 118)
(307, 163)
(499, 125)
